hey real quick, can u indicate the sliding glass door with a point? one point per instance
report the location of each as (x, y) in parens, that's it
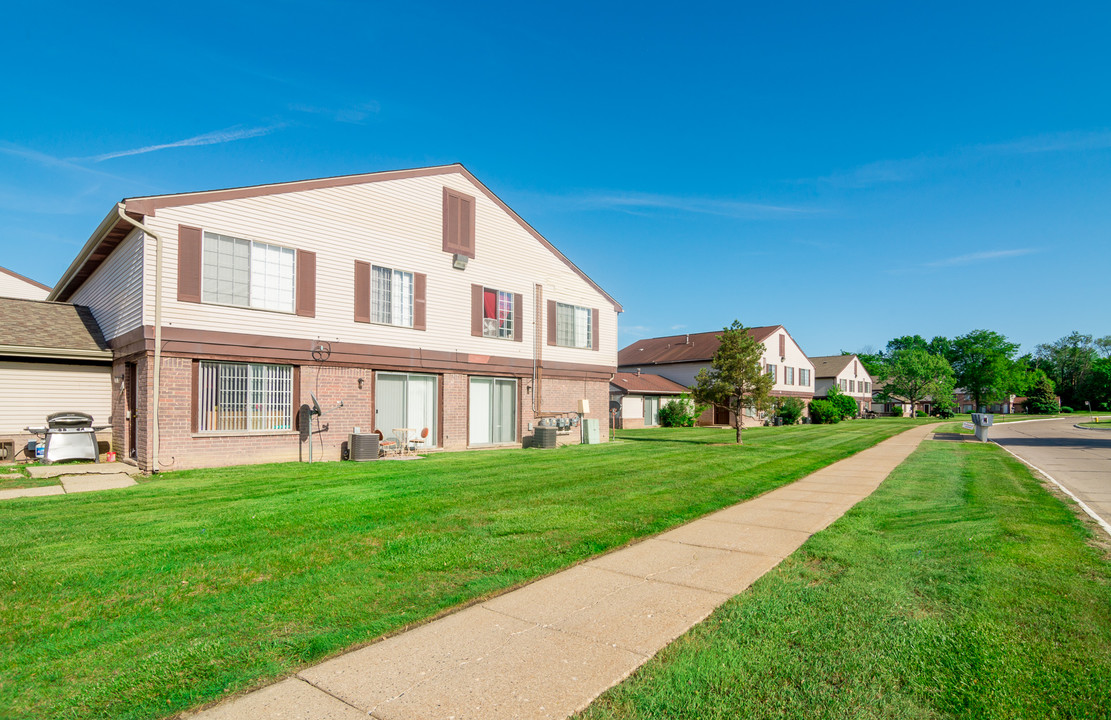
(493, 411)
(406, 400)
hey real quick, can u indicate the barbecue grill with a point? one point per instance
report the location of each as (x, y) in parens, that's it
(69, 436)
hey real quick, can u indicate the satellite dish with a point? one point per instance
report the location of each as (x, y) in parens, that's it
(315, 405)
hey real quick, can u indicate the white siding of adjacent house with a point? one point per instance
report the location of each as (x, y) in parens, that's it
(33, 390)
(394, 223)
(684, 373)
(114, 292)
(13, 287)
(859, 374)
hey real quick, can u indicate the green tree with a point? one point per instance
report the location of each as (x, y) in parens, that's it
(1041, 397)
(846, 405)
(736, 378)
(790, 409)
(1068, 362)
(983, 364)
(823, 411)
(680, 412)
(915, 375)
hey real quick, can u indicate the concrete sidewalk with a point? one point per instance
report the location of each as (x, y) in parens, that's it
(548, 649)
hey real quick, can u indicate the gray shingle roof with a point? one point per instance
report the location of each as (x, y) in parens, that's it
(48, 325)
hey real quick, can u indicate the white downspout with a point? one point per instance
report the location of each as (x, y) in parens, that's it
(157, 325)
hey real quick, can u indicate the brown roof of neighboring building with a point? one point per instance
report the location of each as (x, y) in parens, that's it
(831, 365)
(692, 347)
(24, 278)
(38, 327)
(113, 229)
(644, 384)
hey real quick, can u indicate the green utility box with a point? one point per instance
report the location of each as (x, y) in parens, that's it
(591, 433)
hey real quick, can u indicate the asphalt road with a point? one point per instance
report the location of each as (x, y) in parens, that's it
(1077, 458)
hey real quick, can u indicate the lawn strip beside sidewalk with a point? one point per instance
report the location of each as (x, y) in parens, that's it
(960, 588)
(147, 601)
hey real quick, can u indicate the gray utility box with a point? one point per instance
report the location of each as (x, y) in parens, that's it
(982, 421)
(591, 433)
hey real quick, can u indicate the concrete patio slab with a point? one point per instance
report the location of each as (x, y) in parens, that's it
(291, 699)
(386, 670)
(90, 483)
(49, 471)
(540, 673)
(31, 492)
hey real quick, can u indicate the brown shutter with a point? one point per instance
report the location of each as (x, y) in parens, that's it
(306, 283)
(466, 226)
(420, 282)
(476, 310)
(594, 329)
(195, 390)
(189, 248)
(362, 292)
(518, 320)
(458, 223)
(551, 322)
(782, 345)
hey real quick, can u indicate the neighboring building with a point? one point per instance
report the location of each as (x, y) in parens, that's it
(848, 374)
(884, 404)
(680, 357)
(637, 398)
(14, 285)
(52, 359)
(1013, 404)
(409, 299)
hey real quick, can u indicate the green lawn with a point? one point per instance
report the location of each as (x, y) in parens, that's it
(143, 602)
(956, 426)
(960, 589)
(24, 480)
(1100, 424)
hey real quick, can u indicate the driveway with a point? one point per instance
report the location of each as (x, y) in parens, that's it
(1078, 459)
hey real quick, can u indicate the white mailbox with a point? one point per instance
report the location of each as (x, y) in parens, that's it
(982, 421)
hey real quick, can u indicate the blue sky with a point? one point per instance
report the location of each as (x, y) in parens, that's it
(854, 171)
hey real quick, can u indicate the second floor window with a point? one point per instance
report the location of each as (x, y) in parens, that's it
(804, 376)
(573, 326)
(248, 273)
(788, 376)
(391, 296)
(497, 314)
(773, 371)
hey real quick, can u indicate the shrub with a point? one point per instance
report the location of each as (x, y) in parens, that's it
(920, 413)
(944, 413)
(681, 412)
(823, 411)
(846, 406)
(1066, 409)
(790, 409)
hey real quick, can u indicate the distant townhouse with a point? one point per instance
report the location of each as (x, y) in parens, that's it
(679, 358)
(847, 374)
(636, 398)
(14, 285)
(402, 301)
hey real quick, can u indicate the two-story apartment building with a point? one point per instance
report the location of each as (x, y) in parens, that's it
(679, 358)
(401, 301)
(846, 373)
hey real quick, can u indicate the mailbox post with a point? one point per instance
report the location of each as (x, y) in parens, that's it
(982, 421)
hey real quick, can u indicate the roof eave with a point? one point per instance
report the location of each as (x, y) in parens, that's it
(54, 353)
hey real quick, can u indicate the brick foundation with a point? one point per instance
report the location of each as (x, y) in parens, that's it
(346, 395)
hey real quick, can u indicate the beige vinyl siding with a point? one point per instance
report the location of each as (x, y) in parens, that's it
(397, 224)
(114, 292)
(13, 287)
(795, 358)
(33, 390)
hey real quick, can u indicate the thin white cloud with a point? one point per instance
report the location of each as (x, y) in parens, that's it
(49, 161)
(216, 137)
(632, 202)
(351, 115)
(979, 257)
(906, 169)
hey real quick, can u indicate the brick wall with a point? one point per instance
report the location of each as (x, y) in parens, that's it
(347, 399)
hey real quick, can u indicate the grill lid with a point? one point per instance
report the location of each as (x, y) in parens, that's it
(69, 419)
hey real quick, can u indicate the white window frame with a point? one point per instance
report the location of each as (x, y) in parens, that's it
(788, 375)
(804, 377)
(257, 273)
(394, 306)
(576, 325)
(491, 327)
(491, 408)
(244, 397)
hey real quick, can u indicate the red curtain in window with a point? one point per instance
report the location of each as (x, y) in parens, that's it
(489, 304)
